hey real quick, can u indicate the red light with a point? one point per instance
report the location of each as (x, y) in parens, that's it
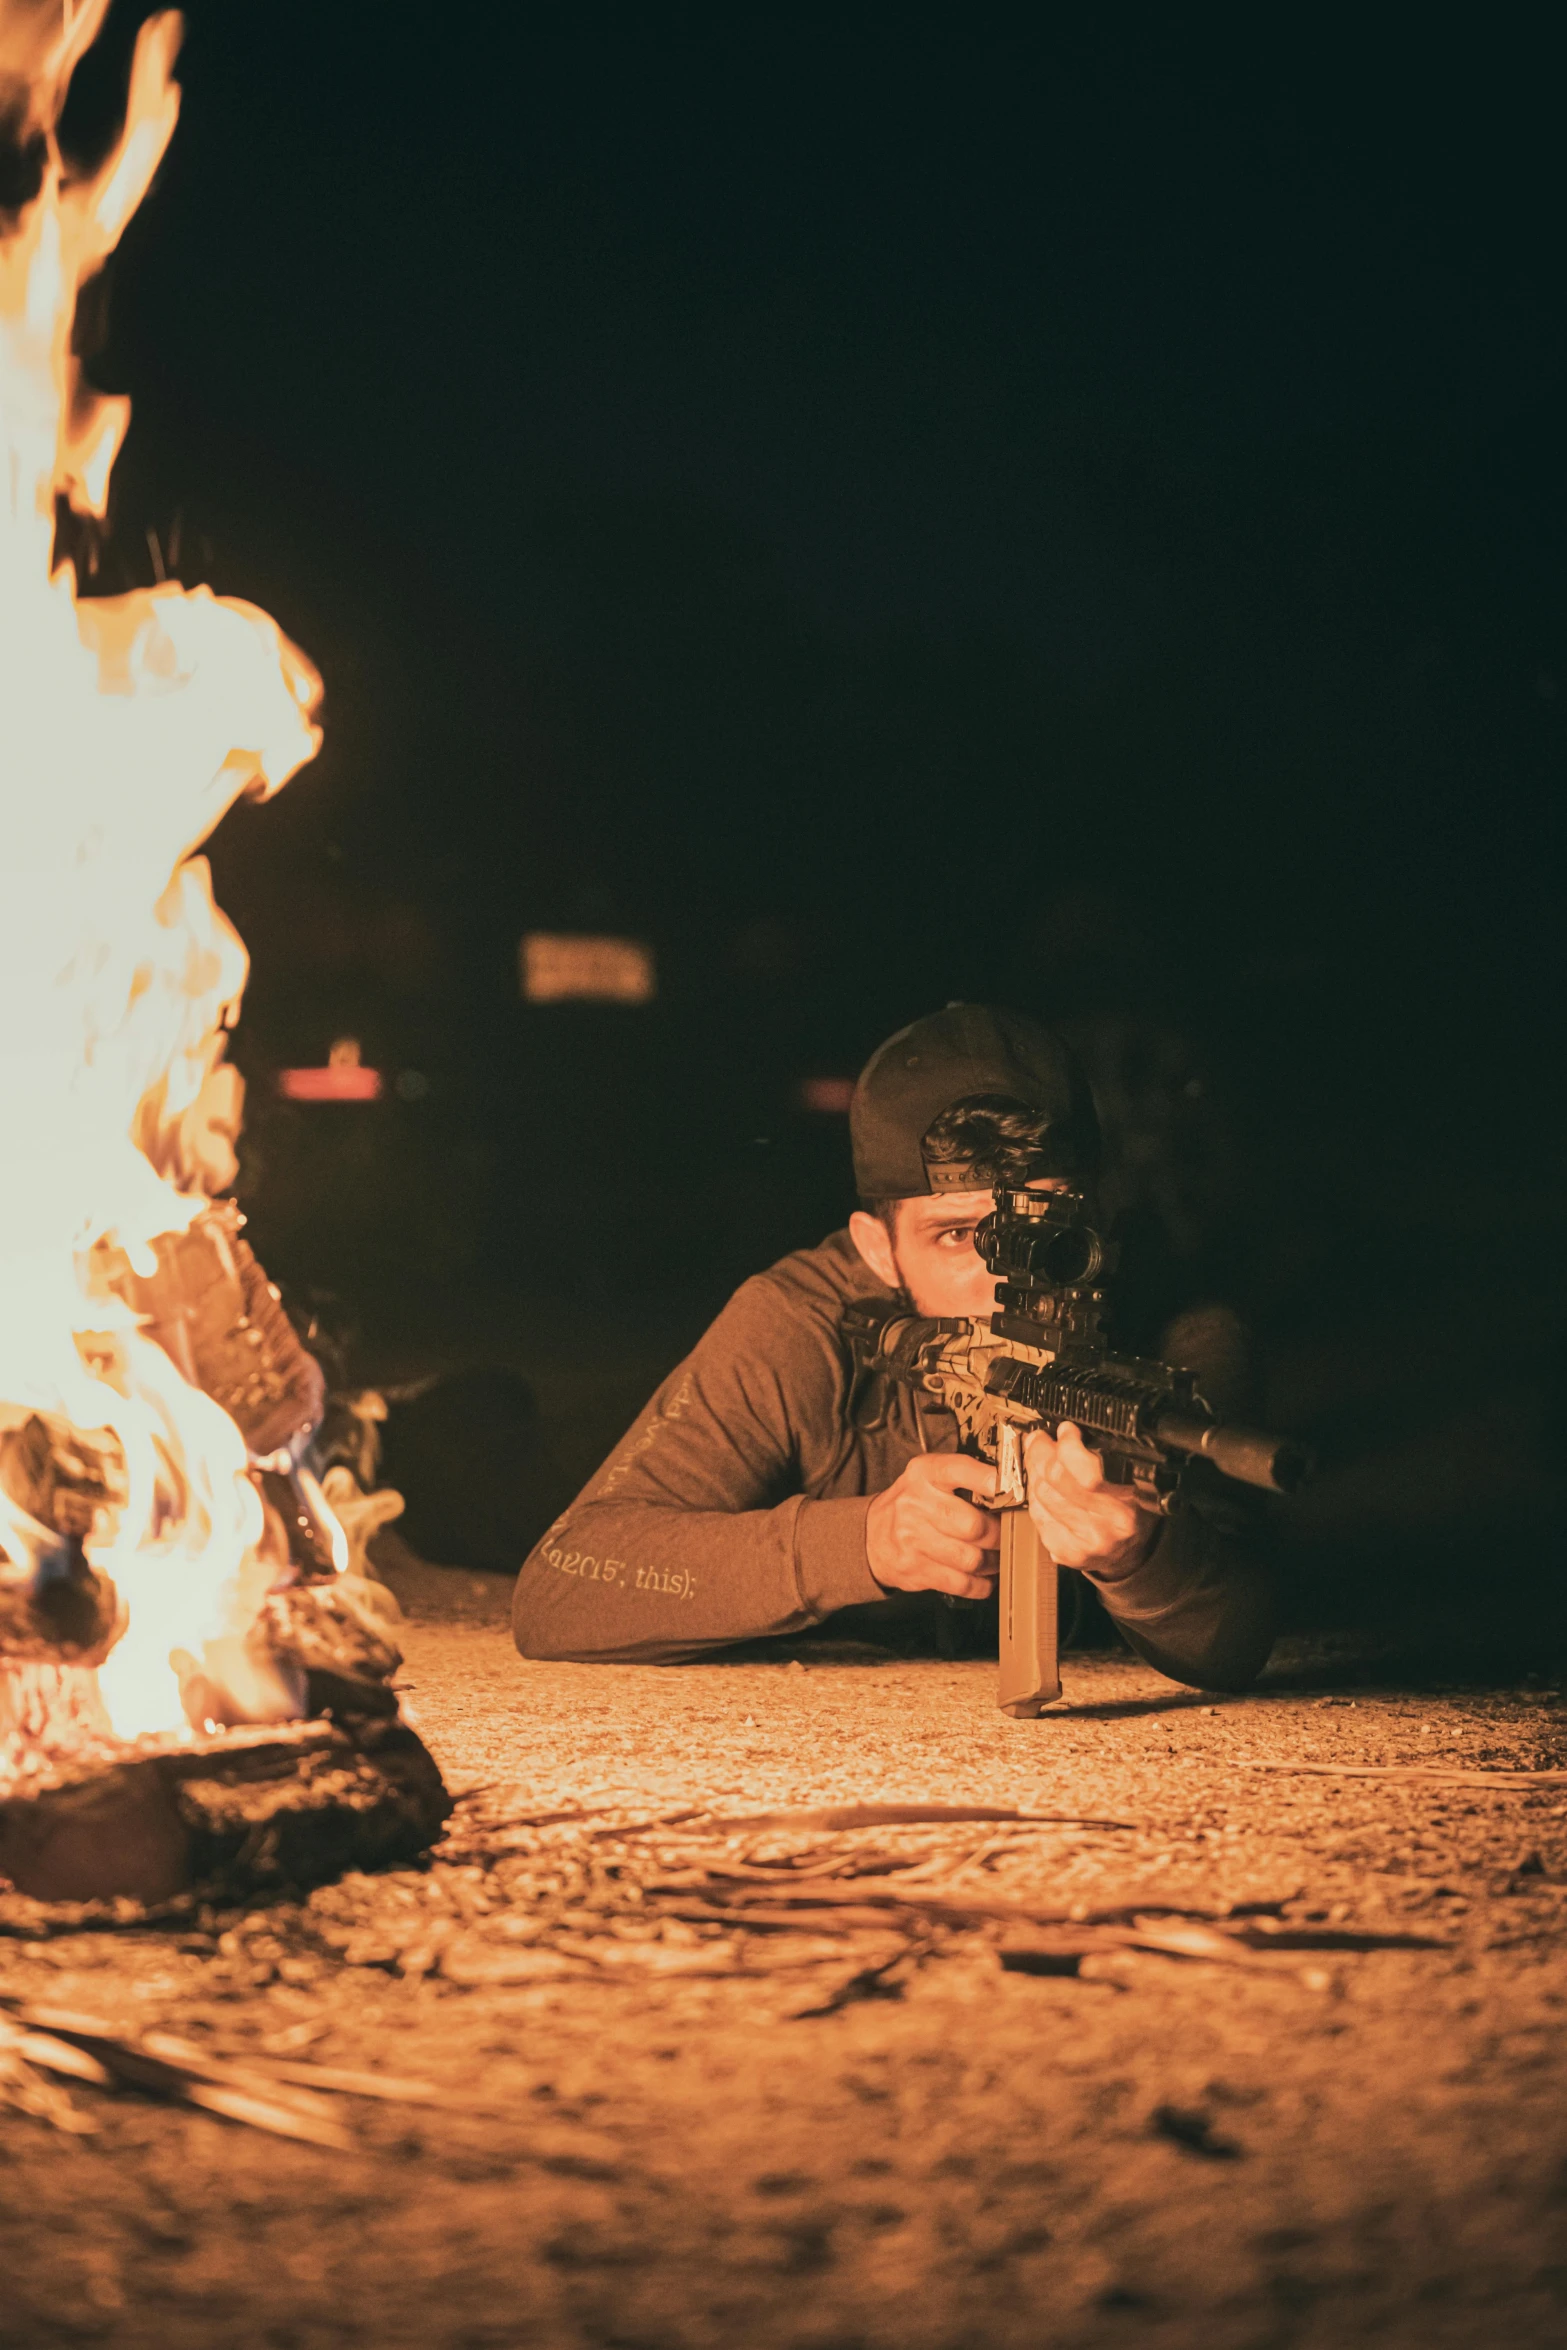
(339, 1081)
(830, 1096)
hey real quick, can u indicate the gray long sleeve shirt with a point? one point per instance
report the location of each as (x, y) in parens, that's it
(735, 1507)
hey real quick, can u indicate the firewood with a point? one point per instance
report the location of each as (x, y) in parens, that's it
(218, 1318)
(347, 1663)
(62, 1614)
(290, 1804)
(54, 1607)
(60, 1477)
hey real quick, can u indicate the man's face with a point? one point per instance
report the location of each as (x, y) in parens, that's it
(931, 1254)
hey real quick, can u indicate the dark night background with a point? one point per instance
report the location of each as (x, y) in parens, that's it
(891, 506)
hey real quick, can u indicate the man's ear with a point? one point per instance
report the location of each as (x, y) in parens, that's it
(874, 1242)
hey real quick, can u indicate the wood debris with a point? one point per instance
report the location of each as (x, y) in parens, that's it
(757, 1918)
(285, 1803)
(28, 2059)
(733, 1893)
(884, 1815)
(565, 1901)
(185, 2077)
(1426, 1772)
(605, 1904)
(1245, 1942)
(289, 2100)
(880, 1981)
(570, 1898)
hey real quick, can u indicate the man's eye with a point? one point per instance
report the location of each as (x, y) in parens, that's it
(958, 1236)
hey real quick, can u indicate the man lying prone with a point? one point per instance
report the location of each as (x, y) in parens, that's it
(752, 1498)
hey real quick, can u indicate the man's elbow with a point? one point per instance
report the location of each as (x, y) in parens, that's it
(547, 1633)
(540, 1646)
(1232, 1674)
(1221, 1646)
(1223, 1669)
(1234, 1657)
(542, 1628)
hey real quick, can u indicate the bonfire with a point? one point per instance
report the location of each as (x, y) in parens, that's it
(191, 1682)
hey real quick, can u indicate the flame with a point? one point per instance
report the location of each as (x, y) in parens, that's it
(128, 726)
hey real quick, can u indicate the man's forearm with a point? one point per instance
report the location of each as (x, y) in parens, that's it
(653, 1583)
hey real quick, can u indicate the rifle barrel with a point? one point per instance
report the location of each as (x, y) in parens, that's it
(1252, 1457)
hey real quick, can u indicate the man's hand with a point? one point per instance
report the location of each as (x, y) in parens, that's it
(919, 1536)
(1083, 1522)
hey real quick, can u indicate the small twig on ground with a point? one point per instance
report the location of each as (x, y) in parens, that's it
(835, 1859)
(1009, 1839)
(26, 2088)
(732, 1890)
(850, 1918)
(1276, 1934)
(662, 1819)
(1419, 1771)
(268, 2093)
(865, 1982)
(874, 1815)
(167, 2068)
(1244, 1945)
(344, 2082)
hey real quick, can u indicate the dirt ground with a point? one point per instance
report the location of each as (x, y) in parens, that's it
(671, 2149)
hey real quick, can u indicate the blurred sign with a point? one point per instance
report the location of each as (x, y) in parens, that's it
(344, 1079)
(330, 1084)
(562, 967)
(829, 1096)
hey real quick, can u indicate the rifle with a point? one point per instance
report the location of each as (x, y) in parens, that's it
(1041, 1359)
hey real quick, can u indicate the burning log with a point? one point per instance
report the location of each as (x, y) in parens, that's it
(58, 1476)
(221, 1322)
(54, 1606)
(242, 1812)
(291, 1806)
(347, 1663)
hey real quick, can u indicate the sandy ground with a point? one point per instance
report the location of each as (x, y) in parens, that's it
(1312, 2149)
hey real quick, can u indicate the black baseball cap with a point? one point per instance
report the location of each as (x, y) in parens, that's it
(950, 1057)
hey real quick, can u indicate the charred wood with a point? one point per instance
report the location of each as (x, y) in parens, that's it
(235, 1814)
(55, 1607)
(347, 1663)
(213, 1311)
(58, 1475)
(58, 1613)
(295, 1533)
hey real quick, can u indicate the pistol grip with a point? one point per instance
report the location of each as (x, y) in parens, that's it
(1030, 1671)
